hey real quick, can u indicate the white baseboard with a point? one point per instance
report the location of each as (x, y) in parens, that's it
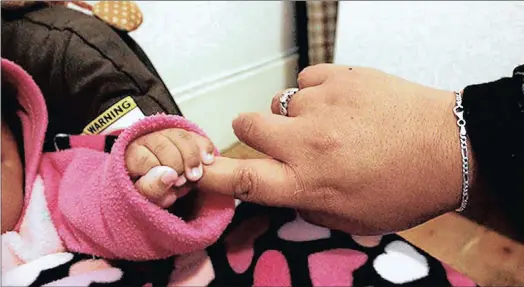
(214, 107)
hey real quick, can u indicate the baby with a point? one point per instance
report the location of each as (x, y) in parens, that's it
(89, 199)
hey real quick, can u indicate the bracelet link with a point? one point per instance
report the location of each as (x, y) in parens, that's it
(461, 123)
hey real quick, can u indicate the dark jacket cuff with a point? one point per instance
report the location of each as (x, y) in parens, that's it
(494, 114)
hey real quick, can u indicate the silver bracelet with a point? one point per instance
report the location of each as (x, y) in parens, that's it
(459, 112)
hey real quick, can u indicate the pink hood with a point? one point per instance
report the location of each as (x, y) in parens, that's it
(33, 118)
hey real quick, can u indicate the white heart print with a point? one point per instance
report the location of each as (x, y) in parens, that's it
(401, 263)
(299, 230)
(27, 273)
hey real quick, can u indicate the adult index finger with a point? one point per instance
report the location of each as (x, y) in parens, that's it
(263, 181)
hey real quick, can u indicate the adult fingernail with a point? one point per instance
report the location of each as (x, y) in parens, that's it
(196, 172)
(208, 158)
(180, 181)
(169, 177)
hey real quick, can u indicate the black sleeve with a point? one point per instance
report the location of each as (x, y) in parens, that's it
(81, 65)
(494, 114)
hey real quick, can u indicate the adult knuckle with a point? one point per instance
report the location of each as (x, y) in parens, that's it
(245, 183)
(310, 97)
(299, 186)
(302, 79)
(332, 140)
(326, 140)
(275, 102)
(332, 99)
(307, 74)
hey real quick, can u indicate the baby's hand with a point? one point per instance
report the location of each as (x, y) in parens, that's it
(167, 158)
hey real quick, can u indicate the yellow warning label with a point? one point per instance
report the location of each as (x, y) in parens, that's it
(111, 115)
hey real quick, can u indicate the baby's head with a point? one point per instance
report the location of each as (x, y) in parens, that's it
(12, 159)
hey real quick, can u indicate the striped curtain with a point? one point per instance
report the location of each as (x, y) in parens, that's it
(316, 27)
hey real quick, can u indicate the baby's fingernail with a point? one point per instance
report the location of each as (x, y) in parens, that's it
(196, 172)
(180, 181)
(169, 177)
(208, 157)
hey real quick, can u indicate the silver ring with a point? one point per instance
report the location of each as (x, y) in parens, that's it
(284, 100)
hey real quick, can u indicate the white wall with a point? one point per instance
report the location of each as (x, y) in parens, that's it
(442, 44)
(220, 58)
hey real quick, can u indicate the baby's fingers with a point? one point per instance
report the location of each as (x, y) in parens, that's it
(139, 160)
(152, 150)
(194, 151)
(156, 185)
(207, 149)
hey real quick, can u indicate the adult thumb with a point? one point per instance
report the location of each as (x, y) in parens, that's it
(263, 181)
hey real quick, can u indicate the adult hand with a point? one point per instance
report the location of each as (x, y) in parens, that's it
(361, 151)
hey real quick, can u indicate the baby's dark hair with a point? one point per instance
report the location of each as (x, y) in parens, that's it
(10, 108)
